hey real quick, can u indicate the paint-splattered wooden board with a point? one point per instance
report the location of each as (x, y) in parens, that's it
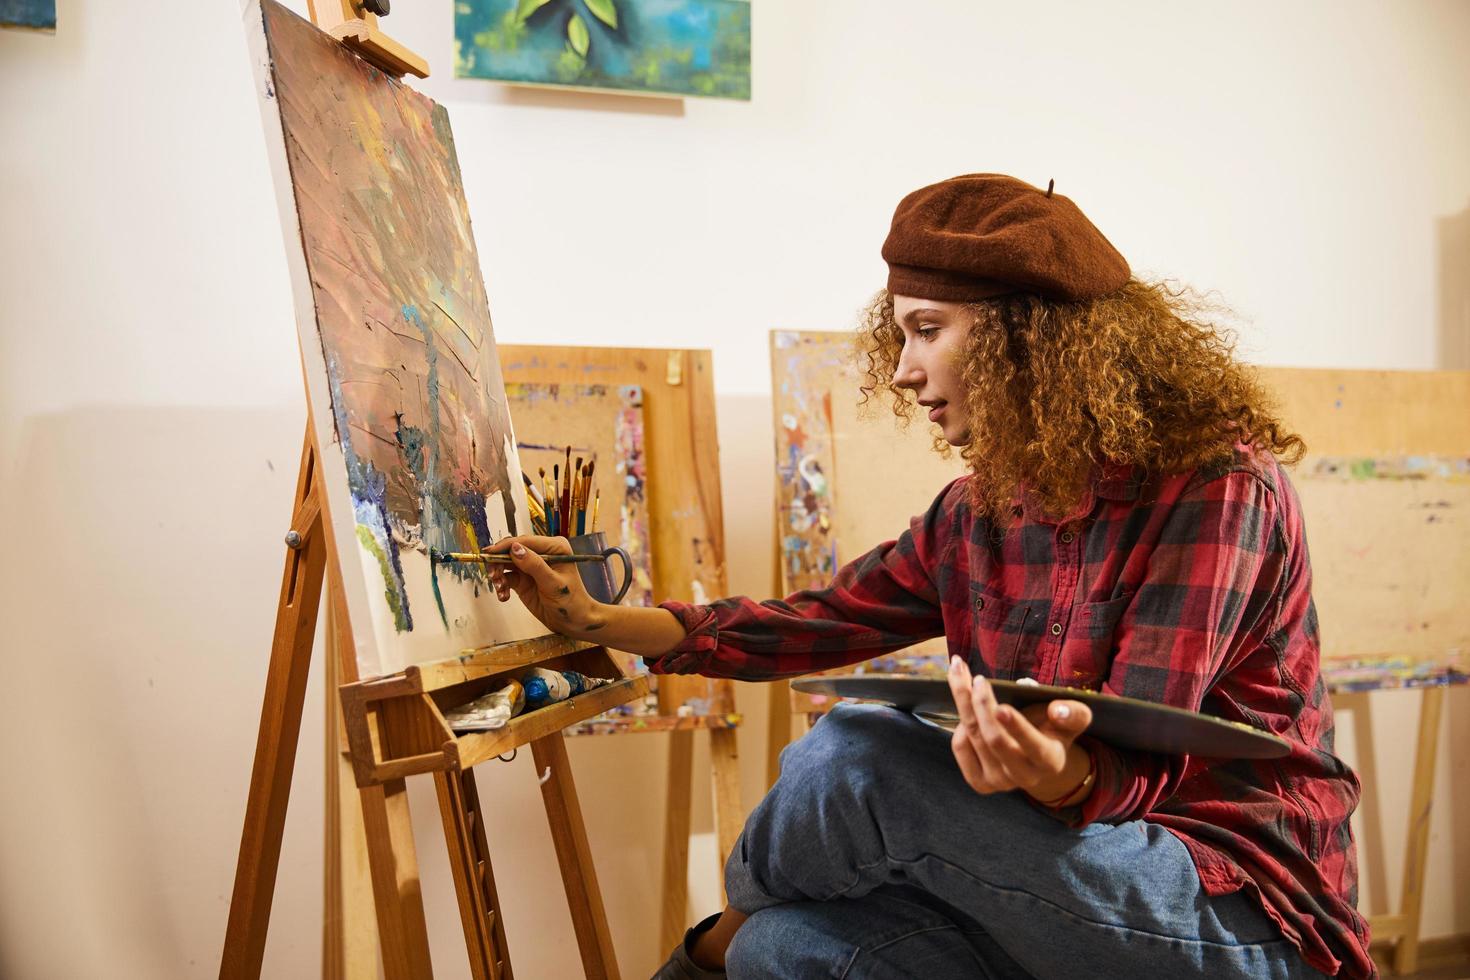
(1386, 494)
(602, 425)
(847, 477)
(682, 490)
(405, 394)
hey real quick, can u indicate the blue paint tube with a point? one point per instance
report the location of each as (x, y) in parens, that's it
(543, 686)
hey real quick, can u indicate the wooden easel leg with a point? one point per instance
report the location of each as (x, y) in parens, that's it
(396, 893)
(474, 880)
(725, 761)
(569, 836)
(333, 928)
(1416, 853)
(778, 730)
(778, 727)
(280, 728)
(675, 901)
(349, 931)
(1370, 806)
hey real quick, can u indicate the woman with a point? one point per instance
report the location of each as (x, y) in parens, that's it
(1127, 526)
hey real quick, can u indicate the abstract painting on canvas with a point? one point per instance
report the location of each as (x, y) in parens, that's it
(405, 387)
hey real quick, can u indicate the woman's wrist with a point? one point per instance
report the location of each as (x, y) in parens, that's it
(646, 632)
(1072, 785)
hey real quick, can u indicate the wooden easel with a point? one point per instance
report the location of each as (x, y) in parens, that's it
(1378, 414)
(688, 548)
(355, 24)
(394, 728)
(811, 394)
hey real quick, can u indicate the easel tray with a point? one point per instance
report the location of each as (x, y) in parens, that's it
(396, 725)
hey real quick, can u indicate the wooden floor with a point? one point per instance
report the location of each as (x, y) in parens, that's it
(1440, 958)
(1443, 973)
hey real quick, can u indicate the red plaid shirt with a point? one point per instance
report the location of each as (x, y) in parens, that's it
(1192, 590)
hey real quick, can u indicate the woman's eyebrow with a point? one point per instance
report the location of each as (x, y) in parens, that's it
(913, 315)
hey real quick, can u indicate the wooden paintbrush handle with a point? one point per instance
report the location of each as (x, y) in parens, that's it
(458, 556)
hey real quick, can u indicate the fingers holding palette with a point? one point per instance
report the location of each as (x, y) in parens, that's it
(1124, 722)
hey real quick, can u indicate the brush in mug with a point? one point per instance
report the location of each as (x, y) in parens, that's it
(568, 514)
(559, 506)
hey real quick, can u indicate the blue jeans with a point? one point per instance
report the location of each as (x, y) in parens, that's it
(871, 857)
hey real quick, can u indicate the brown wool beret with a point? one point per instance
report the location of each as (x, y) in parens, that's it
(983, 235)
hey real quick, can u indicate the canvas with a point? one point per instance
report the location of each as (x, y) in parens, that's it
(406, 393)
(674, 47)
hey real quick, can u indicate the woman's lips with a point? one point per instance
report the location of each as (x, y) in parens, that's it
(937, 411)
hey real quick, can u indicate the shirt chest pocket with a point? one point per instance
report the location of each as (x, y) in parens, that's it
(1006, 632)
(1089, 644)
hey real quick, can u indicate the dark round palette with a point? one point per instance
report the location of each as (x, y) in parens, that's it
(1124, 722)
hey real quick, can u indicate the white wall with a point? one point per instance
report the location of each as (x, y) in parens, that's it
(1309, 160)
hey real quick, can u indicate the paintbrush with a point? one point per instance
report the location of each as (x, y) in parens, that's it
(572, 500)
(531, 486)
(582, 526)
(565, 499)
(442, 557)
(546, 500)
(538, 516)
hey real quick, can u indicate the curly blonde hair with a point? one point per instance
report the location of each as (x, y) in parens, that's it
(1143, 376)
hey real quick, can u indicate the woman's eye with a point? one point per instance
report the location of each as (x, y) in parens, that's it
(927, 333)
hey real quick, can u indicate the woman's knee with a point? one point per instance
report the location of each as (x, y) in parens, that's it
(782, 941)
(848, 735)
(756, 949)
(892, 931)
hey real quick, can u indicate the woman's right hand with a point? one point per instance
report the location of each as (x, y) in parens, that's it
(553, 593)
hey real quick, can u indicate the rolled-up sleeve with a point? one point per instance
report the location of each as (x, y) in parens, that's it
(882, 601)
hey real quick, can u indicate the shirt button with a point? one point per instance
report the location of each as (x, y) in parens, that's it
(1056, 629)
(1068, 537)
(979, 602)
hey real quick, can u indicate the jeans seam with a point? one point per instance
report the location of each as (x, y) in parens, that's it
(1093, 922)
(859, 950)
(858, 873)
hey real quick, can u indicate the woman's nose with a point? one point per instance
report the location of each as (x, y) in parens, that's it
(907, 374)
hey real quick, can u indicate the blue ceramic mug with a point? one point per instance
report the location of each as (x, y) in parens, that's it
(596, 575)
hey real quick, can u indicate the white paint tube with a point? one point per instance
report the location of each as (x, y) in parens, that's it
(489, 711)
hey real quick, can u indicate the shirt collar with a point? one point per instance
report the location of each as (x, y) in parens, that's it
(1111, 481)
(1119, 481)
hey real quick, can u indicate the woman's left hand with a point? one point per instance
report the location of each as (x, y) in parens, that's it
(999, 748)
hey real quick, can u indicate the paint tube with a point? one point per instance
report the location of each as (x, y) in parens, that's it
(545, 686)
(489, 711)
